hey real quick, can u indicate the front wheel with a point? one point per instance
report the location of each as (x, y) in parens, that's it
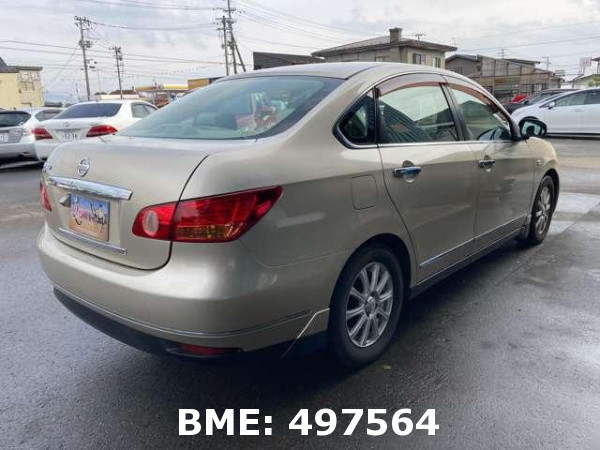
(541, 214)
(365, 307)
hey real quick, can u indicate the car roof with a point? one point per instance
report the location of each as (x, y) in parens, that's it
(346, 70)
(94, 102)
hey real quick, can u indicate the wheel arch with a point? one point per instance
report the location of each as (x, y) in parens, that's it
(398, 247)
(552, 173)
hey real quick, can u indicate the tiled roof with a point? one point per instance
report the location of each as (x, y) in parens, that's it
(382, 41)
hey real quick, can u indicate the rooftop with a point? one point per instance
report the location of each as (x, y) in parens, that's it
(5, 68)
(394, 39)
(262, 58)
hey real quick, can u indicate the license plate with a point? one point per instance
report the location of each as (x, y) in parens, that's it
(89, 216)
(69, 135)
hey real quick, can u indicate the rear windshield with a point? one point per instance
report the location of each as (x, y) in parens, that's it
(90, 110)
(237, 109)
(13, 118)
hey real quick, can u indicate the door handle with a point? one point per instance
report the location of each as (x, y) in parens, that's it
(487, 163)
(404, 171)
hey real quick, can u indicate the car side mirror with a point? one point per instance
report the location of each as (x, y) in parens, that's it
(551, 105)
(532, 127)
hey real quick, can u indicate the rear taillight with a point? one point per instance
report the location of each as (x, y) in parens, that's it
(44, 200)
(222, 218)
(155, 222)
(41, 133)
(100, 130)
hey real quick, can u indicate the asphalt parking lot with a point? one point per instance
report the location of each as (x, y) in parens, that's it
(507, 351)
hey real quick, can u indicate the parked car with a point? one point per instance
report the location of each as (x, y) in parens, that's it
(195, 234)
(534, 99)
(573, 113)
(88, 119)
(16, 138)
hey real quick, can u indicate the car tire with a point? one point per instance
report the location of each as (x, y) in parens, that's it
(379, 315)
(542, 212)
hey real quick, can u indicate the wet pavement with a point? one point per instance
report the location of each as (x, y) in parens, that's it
(507, 351)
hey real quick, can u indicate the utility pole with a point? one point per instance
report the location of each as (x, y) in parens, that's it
(231, 47)
(84, 24)
(119, 58)
(225, 46)
(547, 60)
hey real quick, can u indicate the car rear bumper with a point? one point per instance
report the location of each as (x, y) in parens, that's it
(246, 306)
(43, 149)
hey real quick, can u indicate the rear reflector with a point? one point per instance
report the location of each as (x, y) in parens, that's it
(198, 350)
(44, 200)
(100, 130)
(41, 133)
(222, 218)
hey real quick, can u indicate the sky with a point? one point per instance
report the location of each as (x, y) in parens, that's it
(171, 41)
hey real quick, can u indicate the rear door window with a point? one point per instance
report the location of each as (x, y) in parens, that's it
(85, 110)
(417, 113)
(592, 98)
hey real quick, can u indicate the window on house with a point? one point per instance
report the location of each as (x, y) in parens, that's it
(381, 58)
(25, 86)
(458, 70)
(437, 62)
(418, 58)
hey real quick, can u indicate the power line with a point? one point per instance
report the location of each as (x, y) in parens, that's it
(279, 14)
(534, 43)
(127, 27)
(131, 4)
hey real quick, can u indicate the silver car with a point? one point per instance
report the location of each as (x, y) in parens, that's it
(16, 130)
(290, 208)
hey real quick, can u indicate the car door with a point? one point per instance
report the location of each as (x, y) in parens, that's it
(566, 114)
(591, 115)
(505, 165)
(430, 174)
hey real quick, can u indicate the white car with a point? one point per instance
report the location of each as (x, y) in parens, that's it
(86, 120)
(572, 113)
(16, 126)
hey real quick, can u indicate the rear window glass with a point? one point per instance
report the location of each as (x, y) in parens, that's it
(13, 118)
(90, 110)
(237, 109)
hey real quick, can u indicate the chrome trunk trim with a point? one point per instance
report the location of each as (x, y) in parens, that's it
(90, 187)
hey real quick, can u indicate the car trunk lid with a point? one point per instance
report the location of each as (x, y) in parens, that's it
(67, 130)
(98, 186)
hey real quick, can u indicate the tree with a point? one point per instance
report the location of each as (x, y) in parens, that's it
(594, 82)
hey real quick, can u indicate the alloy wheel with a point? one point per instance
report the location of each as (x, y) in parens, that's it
(369, 304)
(544, 210)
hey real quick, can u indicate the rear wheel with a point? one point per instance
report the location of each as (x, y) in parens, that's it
(365, 307)
(541, 214)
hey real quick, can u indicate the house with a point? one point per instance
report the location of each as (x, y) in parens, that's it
(20, 86)
(504, 78)
(589, 76)
(263, 60)
(391, 48)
